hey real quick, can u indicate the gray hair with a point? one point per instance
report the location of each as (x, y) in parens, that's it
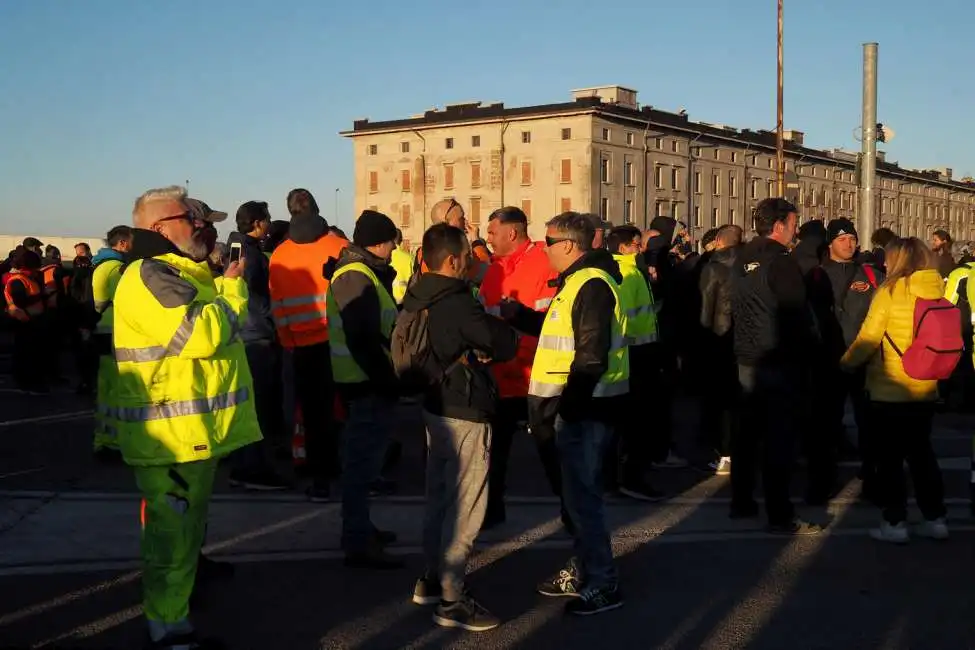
(575, 227)
(171, 193)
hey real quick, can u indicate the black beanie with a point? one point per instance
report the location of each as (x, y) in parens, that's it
(373, 228)
(841, 226)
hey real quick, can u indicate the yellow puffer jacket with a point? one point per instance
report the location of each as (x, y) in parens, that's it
(892, 312)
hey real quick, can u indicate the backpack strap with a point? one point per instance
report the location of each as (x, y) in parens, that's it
(893, 345)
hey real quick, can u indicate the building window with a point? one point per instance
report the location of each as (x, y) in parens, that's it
(675, 146)
(717, 154)
(373, 181)
(566, 134)
(716, 184)
(449, 143)
(627, 211)
(475, 210)
(771, 189)
(606, 135)
(526, 173)
(697, 216)
(628, 172)
(526, 207)
(696, 152)
(658, 177)
(734, 156)
(753, 192)
(661, 209)
(475, 174)
(566, 204)
(731, 215)
(629, 140)
(404, 147)
(603, 207)
(752, 160)
(404, 215)
(604, 170)
(714, 218)
(448, 177)
(812, 195)
(697, 183)
(404, 180)
(658, 143)
(771, 163)
(565, 174)
(373, 149)
(475, 141)
(526, 137)
(732, 184)
(675, 178)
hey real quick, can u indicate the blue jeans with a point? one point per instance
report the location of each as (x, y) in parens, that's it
(582, 448)
(367, 429)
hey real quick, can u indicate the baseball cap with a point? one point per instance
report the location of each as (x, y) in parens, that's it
(203, 212)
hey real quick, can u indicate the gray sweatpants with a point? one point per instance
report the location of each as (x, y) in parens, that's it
(456, 493)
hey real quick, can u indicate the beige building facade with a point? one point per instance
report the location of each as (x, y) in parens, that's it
(603, 153)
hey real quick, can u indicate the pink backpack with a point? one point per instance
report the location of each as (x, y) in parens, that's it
(937, 346)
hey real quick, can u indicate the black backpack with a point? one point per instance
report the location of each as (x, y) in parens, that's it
(414, 361)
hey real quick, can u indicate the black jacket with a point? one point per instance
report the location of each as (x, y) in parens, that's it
(772, 321)
(840, 294)
(716, 291)
(592, 325)
(358, 304)
(459, 326)
(259, 325)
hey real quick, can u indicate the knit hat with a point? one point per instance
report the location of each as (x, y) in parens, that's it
(373, 228)
(841, 226)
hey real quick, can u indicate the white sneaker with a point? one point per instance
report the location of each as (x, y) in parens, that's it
(935, 529)
(893, 534)
(673, 461)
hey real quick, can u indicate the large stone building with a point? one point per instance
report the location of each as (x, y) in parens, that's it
(604, 153)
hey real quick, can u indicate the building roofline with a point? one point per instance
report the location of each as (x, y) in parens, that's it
(645, 117)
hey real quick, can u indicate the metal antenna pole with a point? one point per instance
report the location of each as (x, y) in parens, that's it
(779, 128)
(868, 166)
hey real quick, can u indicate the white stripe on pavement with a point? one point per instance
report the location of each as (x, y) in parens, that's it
(75, 415)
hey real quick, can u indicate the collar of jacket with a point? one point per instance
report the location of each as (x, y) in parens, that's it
(106, 254)
(352, 254)
(598, 259)
(625, 260)
(148, 243)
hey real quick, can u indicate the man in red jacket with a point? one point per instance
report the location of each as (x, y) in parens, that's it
(520, 272)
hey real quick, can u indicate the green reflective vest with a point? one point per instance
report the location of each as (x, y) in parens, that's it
(184, 390)
(104, 281)
(641, 318)
(344, 368)
(556, 343)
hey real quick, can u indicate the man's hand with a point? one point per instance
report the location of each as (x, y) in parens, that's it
(235, 269)
(473, 232)
(510, 308)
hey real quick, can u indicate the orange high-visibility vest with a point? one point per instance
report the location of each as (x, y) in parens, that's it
(298, 289)
(49, 272)
(35, 306)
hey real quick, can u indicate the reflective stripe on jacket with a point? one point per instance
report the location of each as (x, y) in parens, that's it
(556, 344)
(184, 391)
(299, 289)
(104, 282)
(641, 317)
(345, 370)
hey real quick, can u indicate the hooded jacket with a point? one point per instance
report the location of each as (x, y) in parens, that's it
(592, 314)
(840, 294)
(716, 286)
(459, 326)
(358, 303)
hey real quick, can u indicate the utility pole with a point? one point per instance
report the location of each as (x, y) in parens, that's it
(868, 166)
(779, 128)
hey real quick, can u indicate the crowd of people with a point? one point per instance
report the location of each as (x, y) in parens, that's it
(189, 346)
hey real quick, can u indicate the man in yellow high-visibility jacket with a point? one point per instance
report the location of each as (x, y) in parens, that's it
(580, 378)
(184, 394)
(402, 263)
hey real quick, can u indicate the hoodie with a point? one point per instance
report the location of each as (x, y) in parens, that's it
(358, 303)
(592, 325)
(106, 254)
(459, 326)
(306, 228)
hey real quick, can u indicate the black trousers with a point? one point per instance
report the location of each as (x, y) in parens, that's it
(510, 411)
(315, 394)
(772, 408)
(905, 429)
(824, 437)
(720, 400)
(264, 359)
(28, 355)
(635, 450)
(660, 386)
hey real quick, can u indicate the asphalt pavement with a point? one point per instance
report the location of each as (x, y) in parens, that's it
(692, 577)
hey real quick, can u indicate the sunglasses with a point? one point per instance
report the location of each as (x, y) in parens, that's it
(186, 216)
(552, 241)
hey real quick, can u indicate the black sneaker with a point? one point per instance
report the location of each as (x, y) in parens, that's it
(427, 590)
(319, 492)
(796, 528)
(564, 584)
(641, 491)
(595, 601)
(467, 614)
(261, 481)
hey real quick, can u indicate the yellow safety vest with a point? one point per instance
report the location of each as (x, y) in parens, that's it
(953, 284)
(104, 282)
(641, 318)
(556, 344)
(184, 391)
(402, 263)
(344, 368)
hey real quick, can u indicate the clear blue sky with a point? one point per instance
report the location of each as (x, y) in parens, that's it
(102, 99)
